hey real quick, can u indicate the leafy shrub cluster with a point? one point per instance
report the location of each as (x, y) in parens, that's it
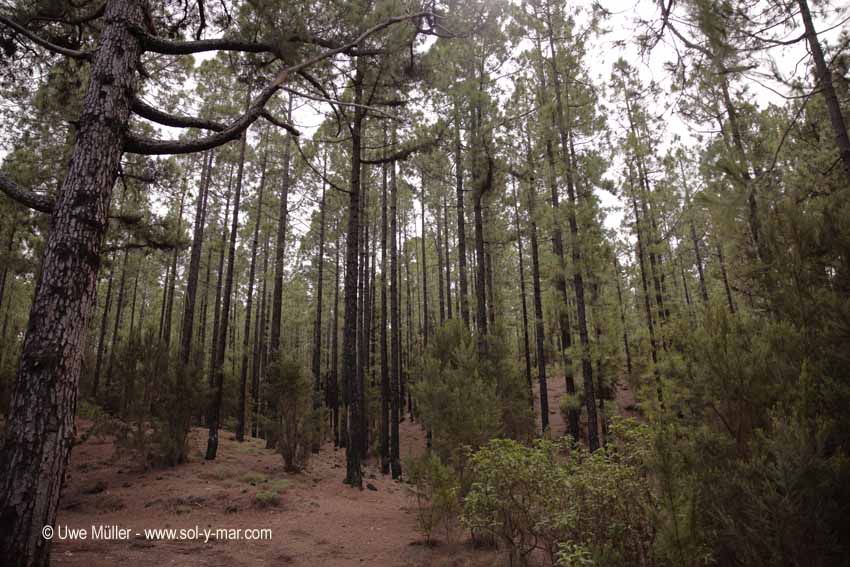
(751, 453)
(559, 505)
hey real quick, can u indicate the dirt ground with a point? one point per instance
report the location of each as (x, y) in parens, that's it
(318, 521)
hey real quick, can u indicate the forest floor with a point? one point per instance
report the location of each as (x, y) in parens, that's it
(318, 521)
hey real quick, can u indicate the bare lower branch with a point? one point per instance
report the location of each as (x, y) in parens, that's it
(73, 53)
(168, 47)
(405, 153)
(148, 112)
(45, 203)
(144, 146)
(24, 196)
(280, 123)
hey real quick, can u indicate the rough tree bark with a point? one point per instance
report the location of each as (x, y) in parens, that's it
(40, 421)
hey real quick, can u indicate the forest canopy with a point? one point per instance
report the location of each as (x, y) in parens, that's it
(598, 257)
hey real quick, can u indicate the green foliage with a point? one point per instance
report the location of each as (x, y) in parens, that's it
(750, 465)
(267, 499)
(466, 400)
(288, 391)
(437, 491)
(551, 497)
(454, 400)
(158, 400)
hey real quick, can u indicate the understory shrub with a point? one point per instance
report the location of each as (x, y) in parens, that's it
(466, 400)
(561, 505)
(436, 488)
(291, 421)
(153, 404)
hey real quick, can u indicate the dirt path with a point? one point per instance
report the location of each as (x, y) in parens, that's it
(318, 522)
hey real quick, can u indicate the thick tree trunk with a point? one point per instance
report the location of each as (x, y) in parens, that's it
(249, 301)
(40, 422)
(214, 414)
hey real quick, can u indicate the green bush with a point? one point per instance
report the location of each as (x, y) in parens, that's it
(288, 391)
(437, 491)
(157, 399)
(551, 497)
(465, 400)
(267, 499)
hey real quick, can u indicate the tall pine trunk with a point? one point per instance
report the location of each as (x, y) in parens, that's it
(40, 419)
(395, 323)
(353, 474)
(249, 301)
(280, 248)
(214, 413)
(195, 262)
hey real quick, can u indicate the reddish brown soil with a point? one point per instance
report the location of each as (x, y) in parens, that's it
(624, 398)
(318, 522)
